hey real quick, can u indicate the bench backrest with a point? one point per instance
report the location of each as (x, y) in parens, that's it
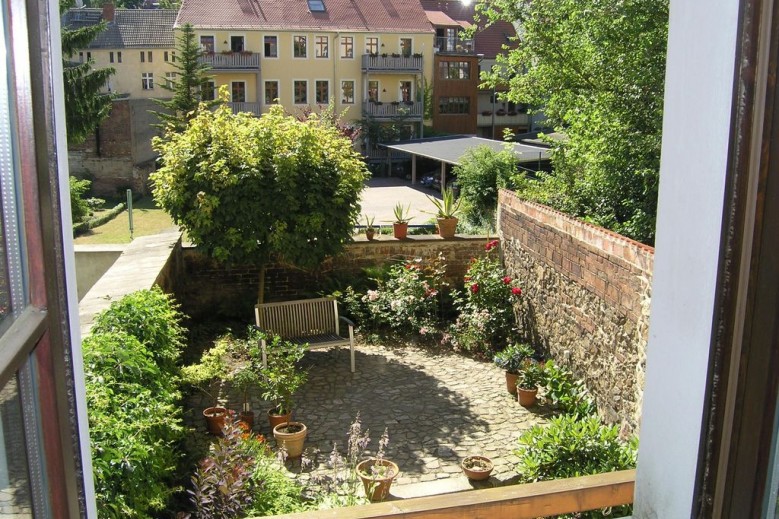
(302, 318)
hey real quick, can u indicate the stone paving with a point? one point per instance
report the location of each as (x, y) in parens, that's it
(438, 408)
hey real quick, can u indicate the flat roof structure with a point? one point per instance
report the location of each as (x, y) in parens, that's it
(451, 149)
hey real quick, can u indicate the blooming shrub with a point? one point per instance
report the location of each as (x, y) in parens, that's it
(486, 321)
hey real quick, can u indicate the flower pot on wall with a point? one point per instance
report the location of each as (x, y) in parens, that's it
(291, 436)
(477, 468)
(369, 234)
(400, 230)
(447, 227)
(377, 483)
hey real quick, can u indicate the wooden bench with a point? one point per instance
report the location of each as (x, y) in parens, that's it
(307, 321)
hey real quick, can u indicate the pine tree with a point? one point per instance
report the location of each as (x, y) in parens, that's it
(85, 106)
(187, 86)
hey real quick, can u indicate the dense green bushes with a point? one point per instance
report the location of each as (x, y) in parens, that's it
(130, 365)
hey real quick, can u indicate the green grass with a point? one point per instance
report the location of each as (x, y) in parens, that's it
(147, 219)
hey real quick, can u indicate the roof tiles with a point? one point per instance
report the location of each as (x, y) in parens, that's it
(131, 28)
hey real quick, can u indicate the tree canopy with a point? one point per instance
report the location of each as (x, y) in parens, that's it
(247, 188)
(187, 86)
(596, 69)
(85, 106)
(480, 173)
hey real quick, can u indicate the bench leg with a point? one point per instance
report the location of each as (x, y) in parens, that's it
(351, 345)
(264, 354)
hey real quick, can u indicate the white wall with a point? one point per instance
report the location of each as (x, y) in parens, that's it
(698, 91)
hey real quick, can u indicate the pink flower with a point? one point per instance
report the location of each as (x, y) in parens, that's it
(491, 245)
(516, 291)
(507, 280)
(475, 288)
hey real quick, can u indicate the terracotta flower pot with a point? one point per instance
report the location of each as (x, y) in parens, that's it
(377, 486)
(247, 417)
(511, 382)
(215, 419)
(447, 227)
(275, 419)
(400, 230)
(291, 436)
(369, 233)
(477, 468)
(527, 397)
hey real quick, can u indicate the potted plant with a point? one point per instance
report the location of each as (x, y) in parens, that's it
(291, 436)
(446, 213)
(417, 55)
(530, 376)
(208, 375)
(400, 225)
(281, 379)
(377, 474)
(244, 378)
(370, 231)
(395, 103)
(510, 360)
(477, 468)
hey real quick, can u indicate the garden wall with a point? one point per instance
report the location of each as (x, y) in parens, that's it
(206, 288)
(585, 302)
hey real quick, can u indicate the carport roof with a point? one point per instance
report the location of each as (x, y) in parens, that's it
(452, 149)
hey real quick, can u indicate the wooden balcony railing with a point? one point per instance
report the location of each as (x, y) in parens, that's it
(232, 61)
(562, 496)
(391, 63)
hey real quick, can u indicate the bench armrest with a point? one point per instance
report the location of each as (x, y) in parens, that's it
(347, 321)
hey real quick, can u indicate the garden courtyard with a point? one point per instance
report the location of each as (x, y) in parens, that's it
(437, 407)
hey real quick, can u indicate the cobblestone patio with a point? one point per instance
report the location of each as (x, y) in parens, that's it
(438, 407)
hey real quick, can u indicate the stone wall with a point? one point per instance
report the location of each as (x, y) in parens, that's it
(585, 302)
(207, 288)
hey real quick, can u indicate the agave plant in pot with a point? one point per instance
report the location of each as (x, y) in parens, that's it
(400, 225)
(370, 230)
(510, 359)
(530, 376)
(446, 212)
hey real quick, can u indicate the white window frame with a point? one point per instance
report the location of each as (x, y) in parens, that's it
(245, 90)
(294, 92)
(378, 44)
(199, 42)
(278, 91)
(341, 46)
(400, 45)
(410, 92)
(170, 77)
(213, 90)
(318, 38)
(293, 46)
(316, 91)
(354, 91)
(147, 80)
(378, 90)
(277, 46)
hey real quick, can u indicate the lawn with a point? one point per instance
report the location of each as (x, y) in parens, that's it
(147, 219)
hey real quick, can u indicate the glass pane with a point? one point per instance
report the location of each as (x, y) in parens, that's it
(15, 500)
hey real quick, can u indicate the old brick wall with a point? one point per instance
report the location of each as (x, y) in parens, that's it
(585, 302)
(207, 288)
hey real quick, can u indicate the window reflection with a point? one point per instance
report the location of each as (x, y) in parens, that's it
(15, 494)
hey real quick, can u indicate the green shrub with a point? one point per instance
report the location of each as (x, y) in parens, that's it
(152, 317)
(566, 393)
(568, 447)
(481, 172)
(135, 424)
(511, 358)
(79, 208)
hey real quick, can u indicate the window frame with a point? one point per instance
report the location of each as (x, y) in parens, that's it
(211, 88)
(295, 92)
(354, 89)
(321, 46)
(265, 92)
(204, 48)
(264, 46)
(410, 46)
(347, 49)
(368, 90)
(369, 45)
(232, 36)
(147, 80)
(295, 38)
(317, 84)
(454, 101)
(233, 85)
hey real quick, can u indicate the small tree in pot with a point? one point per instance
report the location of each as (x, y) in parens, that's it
(510, 360)
(530, 376)
(282, 378)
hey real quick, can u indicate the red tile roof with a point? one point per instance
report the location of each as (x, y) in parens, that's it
(347, 15)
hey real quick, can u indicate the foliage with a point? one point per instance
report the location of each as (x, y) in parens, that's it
(134, 425)
(486, 321)
(328, 115)
(369, 221)
(568, 447)
(448, 206)
(480, 173)
(401, 213)
(187, 86)
(152, 317)
(597, 70)
(282, 377)
(85, 106)
(79, 208)
(566, 393)
(512, 357)
(531, 374)
(246, 187)
(408, 300)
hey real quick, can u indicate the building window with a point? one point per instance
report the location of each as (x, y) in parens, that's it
(271, 46)
(299, 47)
(148, 56)
(271, 92)
(170, 78)
(147, 81)
(454, 105)
(165, 56)
(81, 57)
(110, 57)
(208, 91)
(372, 45)
(405, 47)
(373, 90)
(207, 43)
(322, 88)
(300, 87)
(119, 57)
(173, 56)
(321, 44)
(405, 91)
(454, 70)
(316, 6)
(347, 92)
(89, 56)
(347, 46)
(237, 44)
(143, 57)
(238, 91)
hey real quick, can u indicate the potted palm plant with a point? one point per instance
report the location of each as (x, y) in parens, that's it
(446, 213)
(510, 360)
(400, 225)
(530, 377)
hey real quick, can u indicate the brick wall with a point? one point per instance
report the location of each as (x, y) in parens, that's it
(585, 302)
(207, 288)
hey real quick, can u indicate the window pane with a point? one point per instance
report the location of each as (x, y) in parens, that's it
(15, 494)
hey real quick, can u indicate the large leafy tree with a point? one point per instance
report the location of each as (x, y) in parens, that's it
(246, 188)
(596, 68)
(187, 87)
(85, 105)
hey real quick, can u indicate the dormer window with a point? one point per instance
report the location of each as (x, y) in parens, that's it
(316, 6)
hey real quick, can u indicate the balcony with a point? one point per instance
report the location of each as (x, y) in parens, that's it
(389, 63)
(518, 119)
(253, 108)
(454, 45)
(393, 110)
(232, 61)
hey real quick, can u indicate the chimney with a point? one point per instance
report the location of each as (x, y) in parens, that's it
(108, 12)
